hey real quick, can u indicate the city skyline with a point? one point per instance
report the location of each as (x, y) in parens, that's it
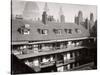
(69, 10)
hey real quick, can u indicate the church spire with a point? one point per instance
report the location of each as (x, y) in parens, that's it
(46, 9)
(60, 11)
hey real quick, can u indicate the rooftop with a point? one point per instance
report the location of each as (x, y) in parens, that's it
(35, 36)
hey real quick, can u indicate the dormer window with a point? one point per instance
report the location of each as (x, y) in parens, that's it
(78, 31)
(43, 31)
(24, 29)
(68, 31)
(57, 31)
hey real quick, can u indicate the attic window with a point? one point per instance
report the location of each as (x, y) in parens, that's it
(68, 31)
(26, 31)
(78, 30)
(43, 31)
(57, 31)
(23, 30)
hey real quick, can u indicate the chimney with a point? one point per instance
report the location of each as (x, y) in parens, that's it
(62, 17)
(44, 17)
(91, 17)
(80, 17)
(87, 24)
(76, 20)
(46, 7)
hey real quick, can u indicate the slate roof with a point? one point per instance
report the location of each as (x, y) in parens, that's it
(35, 36)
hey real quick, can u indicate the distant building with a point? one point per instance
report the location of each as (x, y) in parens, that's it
(46, 7)
(88, 24)
(94, 29)
(31, 9)
(79, 19)
(91, 22)
(51, 18)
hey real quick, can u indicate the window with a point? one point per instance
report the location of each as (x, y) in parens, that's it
(30, 47)
(68, 31)
(23, 30)
(60, 69)
(39, 31)
(77, 30)
(35, 48)
(43, 31)
(57, 31)
(36, 62)
(45, 47)
(26, 31)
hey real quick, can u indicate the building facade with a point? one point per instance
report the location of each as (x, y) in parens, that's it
(50, 46)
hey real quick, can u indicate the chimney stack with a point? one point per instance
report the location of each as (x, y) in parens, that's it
(44, 17)
(62, 17)
(87, 24)
(80, 17)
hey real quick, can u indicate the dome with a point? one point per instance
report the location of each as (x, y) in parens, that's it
(31, 10)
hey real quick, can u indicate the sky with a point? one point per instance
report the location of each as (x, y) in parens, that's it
(69, 10)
